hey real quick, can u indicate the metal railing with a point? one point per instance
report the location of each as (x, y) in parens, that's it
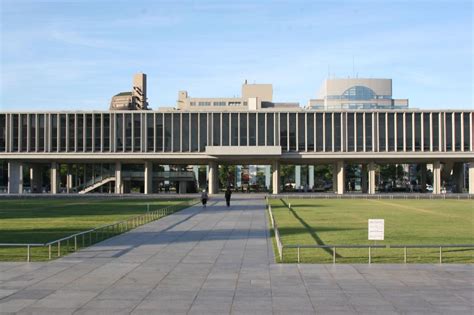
(98, 234)
(369, 196)
(298, 247)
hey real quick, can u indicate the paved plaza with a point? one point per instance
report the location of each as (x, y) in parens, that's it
(219, 260)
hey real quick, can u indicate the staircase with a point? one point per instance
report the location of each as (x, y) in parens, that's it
(95, 183)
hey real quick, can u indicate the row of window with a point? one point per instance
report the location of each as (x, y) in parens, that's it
(217, 103)
(192, 132)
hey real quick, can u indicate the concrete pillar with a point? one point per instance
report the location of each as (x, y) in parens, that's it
(268, 176)
(182, 187)
(297, 176)
(196, 174)
(340, 177)
(371, 177)
(212, 189)
(334, 177)
(436, 177)
(148, 178)
(364, 179)
(118, 178)
(458, 177)
(423, 177)
(36, 179)
(471, 178)
(311, 176)
(54, 177)
(15, 178)
(276, 177)
(238, 176)
(69, 179)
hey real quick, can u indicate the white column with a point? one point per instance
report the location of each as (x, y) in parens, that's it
(340, 177)
(212, 189)
(15, 178)
(471, 178)
(54, 177)
(118, 178)
(148, 178)
(36, 180)
(297, 176)
(436, 177)
(371, 176)
(268, 179)
(311, 176)
(334, 177)
(276, 177)
(69, 179)
(196, 174)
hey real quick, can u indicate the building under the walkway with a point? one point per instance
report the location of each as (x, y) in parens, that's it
(116, 148)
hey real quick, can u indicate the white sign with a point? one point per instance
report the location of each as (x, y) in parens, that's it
(376, 229)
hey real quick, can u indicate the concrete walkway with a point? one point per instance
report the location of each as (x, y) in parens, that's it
(219, 260)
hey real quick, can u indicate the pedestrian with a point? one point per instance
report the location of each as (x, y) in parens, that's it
(204, 198)
(228, 193)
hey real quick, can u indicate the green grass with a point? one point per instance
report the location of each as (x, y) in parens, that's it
(345, 221)
(40, 220)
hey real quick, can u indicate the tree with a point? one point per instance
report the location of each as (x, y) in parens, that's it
(227, 175)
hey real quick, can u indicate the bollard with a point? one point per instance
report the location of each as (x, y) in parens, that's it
(405, 255)
(28, 253)
(83, 240)
(440, 255)
(298, 254)
(75, 243)
(59, 249)
(49, 251)
(370, 258)
(334, 255)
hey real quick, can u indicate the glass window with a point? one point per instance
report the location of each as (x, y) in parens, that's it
(3, 130)
(32, 132)
(457, 131)
(159, 132)
(235, 129)
(41, 132)
(88, 132)
(310, 131)
(252, 129)
(15, 131)
(202, 132)
(106, 137)
(319, 132)
(62, 133)
(24, 132)
(357, 93)
(149, 132)
(467, 135)
(382, 138)
(225, 129)
(243, 129)
(409, 131)
(350, 132)
(194, 133)
(328, 132)
(301, 132)
(54, 132)
(72, 135)
(292, 128)
(216, 129)
(176, 132)
(417, 131)
(167, 132)
(185, 144)
(399, 131)
(137, 132)
(368, 131)
(435, 126)
(426, 131)
(391, 132)
(128, 132)
(270, 129)
(449, 131)
(261, 129)
(283, 132)
(360, 131)
(97, 133)
(80, 131)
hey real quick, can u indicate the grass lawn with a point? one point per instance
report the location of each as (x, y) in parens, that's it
(40, 220)
(345, 221)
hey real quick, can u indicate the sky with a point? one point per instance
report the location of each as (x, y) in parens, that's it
(75, 55)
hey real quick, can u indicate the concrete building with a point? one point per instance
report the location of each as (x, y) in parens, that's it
(112, 150)
(133, 100)
(356, 93)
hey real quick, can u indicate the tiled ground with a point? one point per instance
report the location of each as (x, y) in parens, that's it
(219, 260)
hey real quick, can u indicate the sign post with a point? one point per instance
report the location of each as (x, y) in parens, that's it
(376, 232)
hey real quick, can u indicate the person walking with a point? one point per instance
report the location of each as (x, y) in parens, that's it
(204, 198)
(228, 193)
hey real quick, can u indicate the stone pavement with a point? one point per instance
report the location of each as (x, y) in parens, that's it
(219, 260)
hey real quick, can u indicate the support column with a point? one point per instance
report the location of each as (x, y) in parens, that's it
(471, 178)
(148, 177)
(268, 179)
(436, 177)
(297, 177)
(334, 177)
(458, 177)
(371, 177)
(423, 177)
(340, 177)
(196, 174)
(36, 179)
(212, 178)
(118, 178)
(311, 176)
(364, 179)
(69, 179)
(182, 187)
(15, 178)
(54, 177)
(276, 177)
